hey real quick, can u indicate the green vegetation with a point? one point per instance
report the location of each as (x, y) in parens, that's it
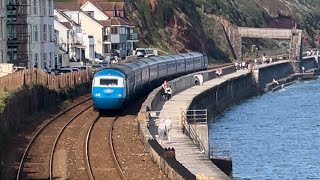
(4, 97)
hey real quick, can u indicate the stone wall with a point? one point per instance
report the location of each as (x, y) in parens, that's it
(218, 98)
(310, 63)
(265, 74)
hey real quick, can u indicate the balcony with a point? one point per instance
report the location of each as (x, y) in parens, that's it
(106, 39)
(15, 40)
(133, 37)
(119, 38)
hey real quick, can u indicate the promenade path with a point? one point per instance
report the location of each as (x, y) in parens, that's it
(187, 153)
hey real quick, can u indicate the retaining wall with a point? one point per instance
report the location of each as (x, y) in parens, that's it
(310, 63)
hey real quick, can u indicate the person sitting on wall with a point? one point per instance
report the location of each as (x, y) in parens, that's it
(168, 92)
(196, 80)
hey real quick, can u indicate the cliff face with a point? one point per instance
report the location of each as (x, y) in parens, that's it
(181, 25)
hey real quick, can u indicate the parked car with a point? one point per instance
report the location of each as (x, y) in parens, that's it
(141, 53)
(65, 70)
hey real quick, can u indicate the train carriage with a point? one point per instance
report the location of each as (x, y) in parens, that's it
(181, 63)
(145, 72)
(153, 69)
(112, 86)
(171, 65)
(137, 75)
(189, 62)
(162, 66)
(197, 60)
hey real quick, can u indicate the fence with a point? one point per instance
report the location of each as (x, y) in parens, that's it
(30, 77)
(188, 119)
(197, 116)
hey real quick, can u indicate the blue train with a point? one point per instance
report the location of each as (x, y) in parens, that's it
(111, 87)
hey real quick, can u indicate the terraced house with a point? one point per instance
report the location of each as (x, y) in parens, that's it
(113, 34)
(72, 40)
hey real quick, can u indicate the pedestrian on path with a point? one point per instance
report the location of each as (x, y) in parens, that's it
(168, 125)
(182, 120)
(161, 131)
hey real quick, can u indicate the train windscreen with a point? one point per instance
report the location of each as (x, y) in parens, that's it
(109, 82)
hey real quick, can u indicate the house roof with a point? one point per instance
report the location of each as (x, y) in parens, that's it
(67, 18)
(67, 6)
(67, 25)
(105, 23)
(120, 21)
(109, 6)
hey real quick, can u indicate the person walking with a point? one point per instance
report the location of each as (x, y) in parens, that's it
(161, 131)
(168, 125)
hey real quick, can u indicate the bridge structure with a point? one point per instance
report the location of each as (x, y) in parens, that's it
(235, 34)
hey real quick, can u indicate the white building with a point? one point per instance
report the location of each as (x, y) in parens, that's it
(41, 30)
(3, 33)
(73, 39)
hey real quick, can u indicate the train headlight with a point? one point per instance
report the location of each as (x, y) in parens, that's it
(98, 94)
(119, 95)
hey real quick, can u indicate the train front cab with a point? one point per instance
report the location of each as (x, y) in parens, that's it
(108, 90)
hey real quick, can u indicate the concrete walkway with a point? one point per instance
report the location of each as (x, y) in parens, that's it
(187, 153)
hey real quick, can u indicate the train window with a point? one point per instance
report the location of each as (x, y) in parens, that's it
(109, 82)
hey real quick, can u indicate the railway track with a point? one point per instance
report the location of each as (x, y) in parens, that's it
(101, 159)
(36, 161)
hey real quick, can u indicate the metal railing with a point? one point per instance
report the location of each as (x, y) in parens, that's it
(197, 116)
(187, 120)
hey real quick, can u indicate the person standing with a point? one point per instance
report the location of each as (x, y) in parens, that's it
(168, 125)
(161, 131)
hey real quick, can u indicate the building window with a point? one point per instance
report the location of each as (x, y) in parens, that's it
(50, 33)
(50, 7)
(1, 56)
(122, 30)
(91, 51)
(106, 48)
(45, 60)
(1, 27)
(50, 59)
(34, 6)
(124, 46)
(36, 59)
(44, 32)
(11, 32)
(114, 46)
(35, 33)
(90, 13)
(114, 30)
(44, 4)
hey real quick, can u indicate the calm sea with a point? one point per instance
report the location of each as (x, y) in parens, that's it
(275, 135)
